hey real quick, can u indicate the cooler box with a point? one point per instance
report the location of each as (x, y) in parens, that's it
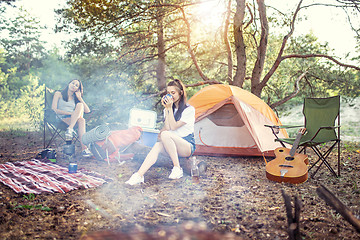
(146, 119)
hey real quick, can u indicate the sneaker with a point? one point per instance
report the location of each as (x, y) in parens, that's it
(69, 134)
(176, 173)
(86, 153)
(135, 179)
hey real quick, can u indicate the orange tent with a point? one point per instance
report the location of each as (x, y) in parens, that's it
(230, 121)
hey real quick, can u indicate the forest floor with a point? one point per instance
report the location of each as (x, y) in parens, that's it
(233, 198)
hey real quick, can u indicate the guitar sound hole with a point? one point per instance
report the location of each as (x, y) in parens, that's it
(289, 158)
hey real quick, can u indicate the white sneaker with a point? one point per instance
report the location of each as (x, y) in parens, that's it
(176, 173)
(135, 179)
(86, 153)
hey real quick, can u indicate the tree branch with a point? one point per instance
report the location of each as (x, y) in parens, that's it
(291, 95)
(203, 83)
(261, 50)
(319, 55)
(282, 48)
(251, 17)
(335, 203)
(189, 85)
(188, 44)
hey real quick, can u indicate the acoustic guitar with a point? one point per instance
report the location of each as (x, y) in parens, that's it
(288, 166)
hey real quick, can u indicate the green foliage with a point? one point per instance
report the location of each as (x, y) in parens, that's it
(116, 58)
(323, 78)
(25, 104)
(130, 28)
(22, 45)
(31, 197)
(56, 71)
(20, 57)
(34, 104)
(39, 206)
(133, 30)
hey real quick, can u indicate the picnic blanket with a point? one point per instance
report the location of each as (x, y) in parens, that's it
(38, 177)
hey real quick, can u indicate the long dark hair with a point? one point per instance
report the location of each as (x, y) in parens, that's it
(183, 99)
(64, 92)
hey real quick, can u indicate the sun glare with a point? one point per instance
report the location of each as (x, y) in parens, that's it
(209, 15)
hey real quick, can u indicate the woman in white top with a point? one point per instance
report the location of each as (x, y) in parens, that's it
(70, 106)
(176, 138)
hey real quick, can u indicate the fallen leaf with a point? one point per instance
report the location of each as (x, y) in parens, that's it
(163, 214)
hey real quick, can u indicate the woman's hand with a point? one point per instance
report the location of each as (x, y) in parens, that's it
(78, 95)
(167, 101)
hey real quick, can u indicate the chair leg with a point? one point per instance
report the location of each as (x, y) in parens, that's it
(48, 127)
(339, 151)
(44, 133)
(54, 132)
(322, 158)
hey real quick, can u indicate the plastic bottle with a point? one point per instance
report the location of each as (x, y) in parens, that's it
(195, 174)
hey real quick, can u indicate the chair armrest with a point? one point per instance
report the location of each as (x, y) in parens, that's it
(291, 126)
(324, 127)
(329, 127)
(51, 116)
(284, 126)
(276, 128)
(53, 119)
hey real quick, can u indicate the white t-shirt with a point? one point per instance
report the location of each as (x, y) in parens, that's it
(188, 117)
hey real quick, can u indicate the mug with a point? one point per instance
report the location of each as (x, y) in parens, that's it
(72, 167)
(168, 97)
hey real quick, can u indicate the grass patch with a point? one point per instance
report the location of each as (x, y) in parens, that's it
(31, 197)
(15, 125)
(351, 146)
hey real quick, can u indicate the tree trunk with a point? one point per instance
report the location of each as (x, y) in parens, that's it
(227, 44)
(160, 68)
(261, 50)
(240, 47)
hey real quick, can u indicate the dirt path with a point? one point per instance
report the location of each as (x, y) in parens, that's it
(234, 197)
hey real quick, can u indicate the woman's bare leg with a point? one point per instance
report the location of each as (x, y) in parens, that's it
(151, 158)
(77, 117)
(81, 130)
(76, 114)
(175, 146)
(170, 143)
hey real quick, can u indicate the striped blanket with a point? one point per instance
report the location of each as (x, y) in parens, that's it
(38, 177)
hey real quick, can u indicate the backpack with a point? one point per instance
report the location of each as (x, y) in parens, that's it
(110, 149)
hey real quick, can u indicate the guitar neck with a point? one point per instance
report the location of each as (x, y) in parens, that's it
(296, 143)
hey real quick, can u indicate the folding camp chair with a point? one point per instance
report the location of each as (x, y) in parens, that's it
(53, 125)
(320, 117)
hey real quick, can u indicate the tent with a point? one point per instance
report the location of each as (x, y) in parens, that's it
(230, 121)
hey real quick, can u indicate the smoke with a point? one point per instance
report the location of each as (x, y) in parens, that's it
(111, 101)
(158, 201)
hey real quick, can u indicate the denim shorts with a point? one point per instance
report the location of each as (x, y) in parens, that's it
(64, 116)
(190, 138)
